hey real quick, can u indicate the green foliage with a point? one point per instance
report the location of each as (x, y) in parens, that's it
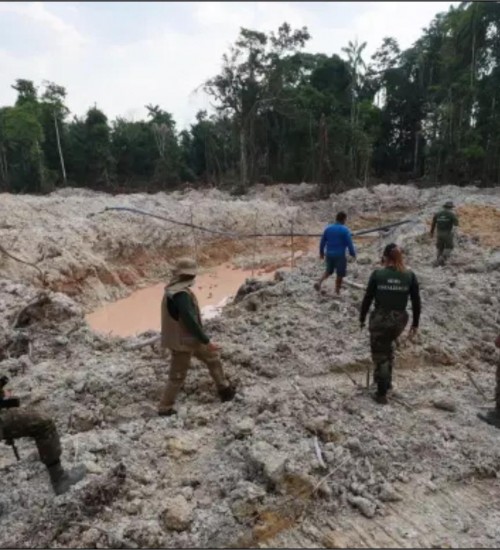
(280, 114)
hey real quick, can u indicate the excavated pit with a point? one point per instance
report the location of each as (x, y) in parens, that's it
(215, 287)
(420, 472)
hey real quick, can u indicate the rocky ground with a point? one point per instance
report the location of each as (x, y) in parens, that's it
(302, 457)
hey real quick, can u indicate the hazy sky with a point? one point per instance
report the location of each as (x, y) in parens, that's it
(123, 56)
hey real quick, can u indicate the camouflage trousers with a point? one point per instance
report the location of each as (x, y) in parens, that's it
(17, 423)
(385, 327)
(444, 245)
(179, 366)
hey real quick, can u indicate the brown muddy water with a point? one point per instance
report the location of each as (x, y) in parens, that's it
(140, 311)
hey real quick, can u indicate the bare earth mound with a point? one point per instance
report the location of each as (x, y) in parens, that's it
(303, 457)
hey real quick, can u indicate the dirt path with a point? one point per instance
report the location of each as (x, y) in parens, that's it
(456, 515)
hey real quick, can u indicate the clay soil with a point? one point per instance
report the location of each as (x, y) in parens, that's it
(303, 456)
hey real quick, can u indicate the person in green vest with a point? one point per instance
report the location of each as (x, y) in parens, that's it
(492, 416)
(390, 287)
(444, 221)
(183, 334)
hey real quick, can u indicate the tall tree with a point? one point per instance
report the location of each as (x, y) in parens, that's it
(98, 147)
(54, 109)
(242, 86)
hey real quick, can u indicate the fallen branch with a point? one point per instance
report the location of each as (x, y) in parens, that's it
(15, 258)
(478, 388)
(73, 330)
(306, 504)
(353, 284)
(328, 475)
(294, 385)
(401, 402)
(139, 345)
(318, 452)
(356, 383)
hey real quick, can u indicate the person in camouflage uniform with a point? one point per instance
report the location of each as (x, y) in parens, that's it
(390, 287)
(182, 333)
(493, 416)
(445, 221)
(19, 422)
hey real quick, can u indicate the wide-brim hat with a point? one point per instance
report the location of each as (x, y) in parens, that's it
(185, 266)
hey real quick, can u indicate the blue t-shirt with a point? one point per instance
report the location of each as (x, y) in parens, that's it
(336, 238)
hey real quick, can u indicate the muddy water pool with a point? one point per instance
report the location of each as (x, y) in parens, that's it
(141, 310)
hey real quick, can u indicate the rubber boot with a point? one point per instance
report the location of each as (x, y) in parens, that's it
(381, 398)
(62, 479)
(492, 417)
(383, 383)
(227, 394)
(167, 412)
(389, 386)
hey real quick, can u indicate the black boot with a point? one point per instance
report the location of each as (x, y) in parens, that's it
(167, 412)
(383, 383)
(227, 394)
(491, 417)
(381, 398)
(62, 479)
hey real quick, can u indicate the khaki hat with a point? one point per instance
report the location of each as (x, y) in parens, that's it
(185, 266)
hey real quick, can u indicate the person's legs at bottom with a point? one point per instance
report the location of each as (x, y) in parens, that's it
(22, 423)
(384, 329)
(381, 350)
(400, 320)
(439, 251)
(179, 367)
(329, 269)
(212, 360)
(341, 267)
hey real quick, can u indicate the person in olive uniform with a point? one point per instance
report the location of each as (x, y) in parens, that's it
(493, 416)
(444, 221)
(390, 287)
(182, 333)
(20, 422)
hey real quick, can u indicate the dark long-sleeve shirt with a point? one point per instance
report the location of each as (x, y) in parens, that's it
(181, 306)
(390, 290)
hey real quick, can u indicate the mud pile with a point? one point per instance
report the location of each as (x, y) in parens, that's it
(302, 456)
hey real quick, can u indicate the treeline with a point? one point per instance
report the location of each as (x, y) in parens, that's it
(431, 112)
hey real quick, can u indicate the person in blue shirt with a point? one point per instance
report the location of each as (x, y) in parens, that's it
(334, 242)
